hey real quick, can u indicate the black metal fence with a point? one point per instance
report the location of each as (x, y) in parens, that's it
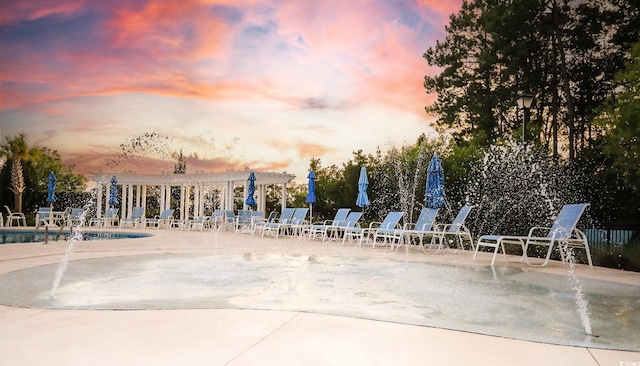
(613, 238)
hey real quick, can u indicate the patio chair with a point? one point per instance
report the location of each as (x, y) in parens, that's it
(456, 229)
(421, 228)
(336, 230)
(275, 225)
(136, 218)
(563, 233)
(229, 219)
(110, 218)
(298, 223)
(216, 219)
(199, 223)
(15, 216)
(260, 222)
(243, 221)
(49, 218)
(320, 228)
(163, 220)
(75, 218)
(377, 229)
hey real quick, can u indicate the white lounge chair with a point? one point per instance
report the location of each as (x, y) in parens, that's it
(110, 218)
(298, 222)
(136, 218)
(199, 223)
(320, 228)
(421, 228)
(48, 218)
(456, 229)
(229, 219)
(163, 220)
(277, 224)
(75, 218)
(15, 216)
(260, 222)
(216, 219)
(336, 230)
(244, 221)
(378, 230)
(563, 233)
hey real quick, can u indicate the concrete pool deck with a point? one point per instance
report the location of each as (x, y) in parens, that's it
(33, 336)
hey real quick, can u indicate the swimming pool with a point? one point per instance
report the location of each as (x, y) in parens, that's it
(27, 236)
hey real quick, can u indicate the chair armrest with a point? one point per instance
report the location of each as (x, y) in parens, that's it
(542, 229)
(409, 226)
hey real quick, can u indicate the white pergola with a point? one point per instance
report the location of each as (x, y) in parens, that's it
(134, 189)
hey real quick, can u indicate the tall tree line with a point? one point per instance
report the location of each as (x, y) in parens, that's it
(575, 57)
(564, 52)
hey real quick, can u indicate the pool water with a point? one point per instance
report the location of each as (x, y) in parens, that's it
(24, 236)
(505, 302)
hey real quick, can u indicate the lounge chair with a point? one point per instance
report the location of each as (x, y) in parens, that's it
(336, 230)
(110, 218)
(163, 220)
(456, 229)
(136, 218)
(75, 218)
(216, 219)
(243, 221)
(320, 228)
(274, 227)
(563, 233)
(199, 223)
(259, 223)
(383, 230)
(229, 219)
(421, 228)
(298, 222)
(15, 216)
(256, 216)
(46, 217)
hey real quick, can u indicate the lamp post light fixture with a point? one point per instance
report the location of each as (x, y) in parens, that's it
(524, 102)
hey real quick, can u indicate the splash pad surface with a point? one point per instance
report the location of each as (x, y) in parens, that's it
(508, 302)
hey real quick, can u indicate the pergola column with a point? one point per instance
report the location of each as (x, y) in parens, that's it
(229, 196)
(138, 191)
(123, 200)
(167, 197)
(144, 197)
(129, 198)
(182, 202)
(201, 199)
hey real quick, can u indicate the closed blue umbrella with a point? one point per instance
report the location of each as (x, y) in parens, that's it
(251, 191)
(363, 183)
(311, 192)
(51, 198)
(113, 191)
(51, 187)
(434, 195)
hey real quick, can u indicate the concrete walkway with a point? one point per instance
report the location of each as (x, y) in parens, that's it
(32, 336)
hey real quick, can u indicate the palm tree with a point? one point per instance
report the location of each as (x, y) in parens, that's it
(15, 149)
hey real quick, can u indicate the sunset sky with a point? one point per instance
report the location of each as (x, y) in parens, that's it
(266, 85)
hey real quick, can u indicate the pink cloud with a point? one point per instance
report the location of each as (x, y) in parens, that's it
(17, 11)
(301, 58)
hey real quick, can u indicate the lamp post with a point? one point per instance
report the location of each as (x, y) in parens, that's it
(524, 102)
